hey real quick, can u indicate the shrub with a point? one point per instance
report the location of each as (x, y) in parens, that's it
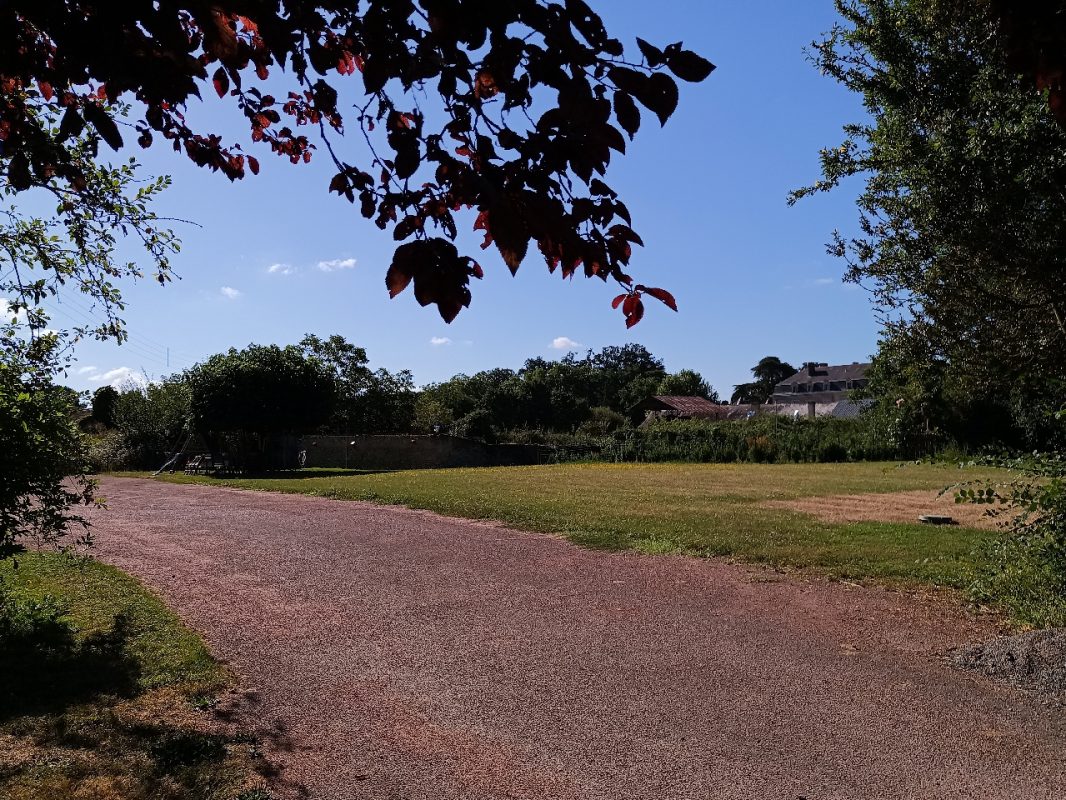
(46, 664)
(1026, 565)
(38, 623)
(764, 439)
(109, 452)
(43, 464)
(601, 422)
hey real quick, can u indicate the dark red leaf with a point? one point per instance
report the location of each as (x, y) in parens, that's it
(221, 81)
(72, 124)
(508, 227)
(339, 183)
(402, 269)
(104, 125)
(661, 97)
(18, 172)
(663, 296)
(618, 300)
(636, 316)
(406, 227)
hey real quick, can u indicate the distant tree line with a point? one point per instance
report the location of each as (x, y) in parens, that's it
(594, 394)
(243, 400)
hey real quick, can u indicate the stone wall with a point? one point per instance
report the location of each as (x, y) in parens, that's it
(415, 452)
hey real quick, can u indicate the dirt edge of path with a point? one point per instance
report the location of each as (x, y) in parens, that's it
(1034, 661)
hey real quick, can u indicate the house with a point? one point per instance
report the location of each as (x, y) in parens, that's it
(821, 383)
(679, 407)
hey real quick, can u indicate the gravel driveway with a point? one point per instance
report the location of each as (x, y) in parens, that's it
(398, 654)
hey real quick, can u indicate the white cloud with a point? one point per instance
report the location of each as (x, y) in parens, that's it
(229, 292)
(336, 264)
(437, 341)
(85, 370)
(564, 343)
(824, 281)
(280, 269)
(117, 377)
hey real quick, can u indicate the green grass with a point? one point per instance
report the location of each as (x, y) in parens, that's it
(100, 690)
(695, 509)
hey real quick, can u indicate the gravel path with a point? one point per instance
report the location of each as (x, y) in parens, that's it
(397, 654)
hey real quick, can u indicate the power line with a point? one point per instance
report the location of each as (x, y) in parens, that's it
(88, 315)
(147, 341)
(156, 357)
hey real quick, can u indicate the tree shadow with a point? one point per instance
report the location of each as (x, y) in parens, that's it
(47, 668)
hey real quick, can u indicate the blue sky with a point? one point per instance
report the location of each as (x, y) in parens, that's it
(275, 256)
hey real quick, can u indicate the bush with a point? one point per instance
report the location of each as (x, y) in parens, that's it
(475, 425)
(109, 452)
(47, 665)
(1026, 565)
(41, 622)
(601, 422)
(43, 464)
(764, 439)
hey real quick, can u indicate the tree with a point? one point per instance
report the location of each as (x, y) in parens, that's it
(624, 376)
(965, 187)
(388, 405)
(248, 397)
(510, 110)
(43, 472)
(769, 372)
(348, 364)
(688, 383)
(104, 401)
(909, 383)
(153, 420)
(74, 246)
(367, 401)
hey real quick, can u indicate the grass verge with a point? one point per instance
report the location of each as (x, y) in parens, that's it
(104, 693)
(696, 509)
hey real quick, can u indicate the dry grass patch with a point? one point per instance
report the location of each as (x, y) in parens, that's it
(890, 507)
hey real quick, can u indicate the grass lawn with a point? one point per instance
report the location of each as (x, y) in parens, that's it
(109, 699)
(697, 509)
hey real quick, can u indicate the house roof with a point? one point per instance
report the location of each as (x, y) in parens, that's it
(685, 404)
(825, 372)
(696, 406)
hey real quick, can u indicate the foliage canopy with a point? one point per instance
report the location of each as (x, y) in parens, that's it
(964, 171)
(261, 390)
(510, 110)
(43, 472)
